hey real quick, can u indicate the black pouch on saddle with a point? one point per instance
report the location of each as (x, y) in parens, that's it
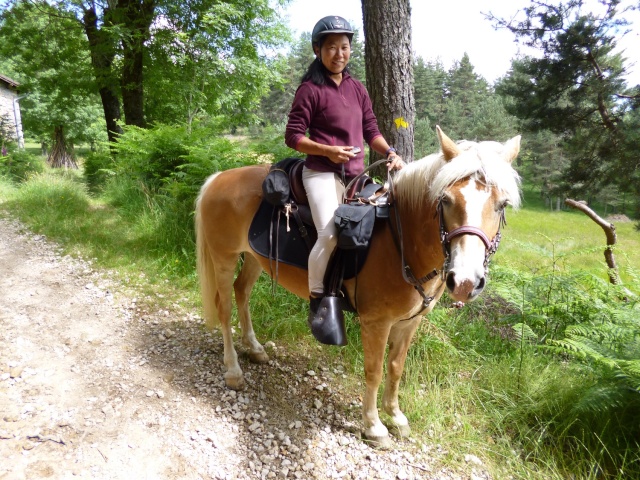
(355, 223)
(275, 188)
(355, 220)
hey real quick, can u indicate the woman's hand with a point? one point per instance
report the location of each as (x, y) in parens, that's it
(340, 154)
(394, 162)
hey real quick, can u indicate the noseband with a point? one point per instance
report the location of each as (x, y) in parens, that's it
(491, 246)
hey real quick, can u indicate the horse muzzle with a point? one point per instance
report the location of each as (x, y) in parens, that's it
(464, 288)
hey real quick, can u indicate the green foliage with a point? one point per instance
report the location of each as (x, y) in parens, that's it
(157, 174)
(49, 54)
(152, 155)
(55, 200)
(425, 137)
(207, 59)
(167, 153)
(581, 316)
(575, 88)
(98, 167)
(268, 144)
(19, 165)
(429, 84)
(461, 102)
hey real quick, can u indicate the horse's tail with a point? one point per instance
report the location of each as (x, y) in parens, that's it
(206, 267)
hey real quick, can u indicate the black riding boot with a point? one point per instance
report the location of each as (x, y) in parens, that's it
(327, 321)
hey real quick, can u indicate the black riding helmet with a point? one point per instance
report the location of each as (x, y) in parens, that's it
(330, 24)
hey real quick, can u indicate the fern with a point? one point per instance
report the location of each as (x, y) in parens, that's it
(524, 332)
(593, 327)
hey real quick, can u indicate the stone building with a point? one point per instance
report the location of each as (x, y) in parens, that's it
(10, 109)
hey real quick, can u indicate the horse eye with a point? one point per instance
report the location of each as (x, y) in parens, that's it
(504, 204)
(445, 200)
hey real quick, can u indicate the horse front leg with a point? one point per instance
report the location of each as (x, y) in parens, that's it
(374, 339)
(399, 342)
(243, 285)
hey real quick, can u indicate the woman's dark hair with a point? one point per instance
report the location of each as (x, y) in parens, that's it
(317, 72)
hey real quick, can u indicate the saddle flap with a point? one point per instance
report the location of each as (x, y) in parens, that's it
(298, 193)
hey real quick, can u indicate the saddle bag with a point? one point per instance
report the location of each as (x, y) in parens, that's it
(355, 223)
(275, 188)
(355, 220)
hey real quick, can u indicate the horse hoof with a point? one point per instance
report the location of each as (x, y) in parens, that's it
(234, 383)
(258, 357)
(380, 443)
(403, 431)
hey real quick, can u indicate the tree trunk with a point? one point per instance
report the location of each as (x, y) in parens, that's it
(60, 154)
(103, 51)
(389, 67)
(137, 16)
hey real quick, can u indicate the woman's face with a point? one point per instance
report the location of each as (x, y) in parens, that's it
(335, 52)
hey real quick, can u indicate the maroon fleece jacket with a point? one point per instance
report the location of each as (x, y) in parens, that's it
(334, 115)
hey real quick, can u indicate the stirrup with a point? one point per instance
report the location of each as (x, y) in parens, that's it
(327, 320)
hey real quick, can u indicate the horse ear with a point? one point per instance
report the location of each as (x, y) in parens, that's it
(449, 148)
(512, 148)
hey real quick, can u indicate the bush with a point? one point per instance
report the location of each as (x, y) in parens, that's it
(151, 155)
(157, 174)
(98, 167)
(19, 165)
(268, 144)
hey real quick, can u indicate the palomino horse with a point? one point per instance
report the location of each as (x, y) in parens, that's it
(448, 211)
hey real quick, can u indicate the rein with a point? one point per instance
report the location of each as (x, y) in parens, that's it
(407, 273)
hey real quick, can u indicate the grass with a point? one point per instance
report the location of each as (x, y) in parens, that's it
(469, 385)
(537, 239)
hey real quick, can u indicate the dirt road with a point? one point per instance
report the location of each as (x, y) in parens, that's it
(97, 384)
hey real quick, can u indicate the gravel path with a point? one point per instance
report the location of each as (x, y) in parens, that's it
(95, 384)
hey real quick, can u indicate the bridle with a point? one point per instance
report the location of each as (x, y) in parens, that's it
(491, 246)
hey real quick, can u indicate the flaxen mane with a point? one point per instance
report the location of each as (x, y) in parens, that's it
(482, 161)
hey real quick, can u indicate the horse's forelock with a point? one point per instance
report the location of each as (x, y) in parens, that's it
(483, 161)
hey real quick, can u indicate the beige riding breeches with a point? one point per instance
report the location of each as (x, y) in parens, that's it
(324, 192)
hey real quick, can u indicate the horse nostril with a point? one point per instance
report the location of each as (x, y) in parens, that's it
(480, 284)
(451, 281)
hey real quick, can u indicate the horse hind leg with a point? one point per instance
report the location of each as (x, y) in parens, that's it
(399, 342)
(223, 299)
(216, 278)
(243, 285)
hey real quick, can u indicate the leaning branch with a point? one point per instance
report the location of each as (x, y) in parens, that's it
(610, 232)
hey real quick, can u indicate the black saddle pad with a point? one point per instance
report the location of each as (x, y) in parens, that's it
(289, 247)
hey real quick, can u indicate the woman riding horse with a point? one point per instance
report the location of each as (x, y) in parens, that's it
(447, 210)
(336, 110)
